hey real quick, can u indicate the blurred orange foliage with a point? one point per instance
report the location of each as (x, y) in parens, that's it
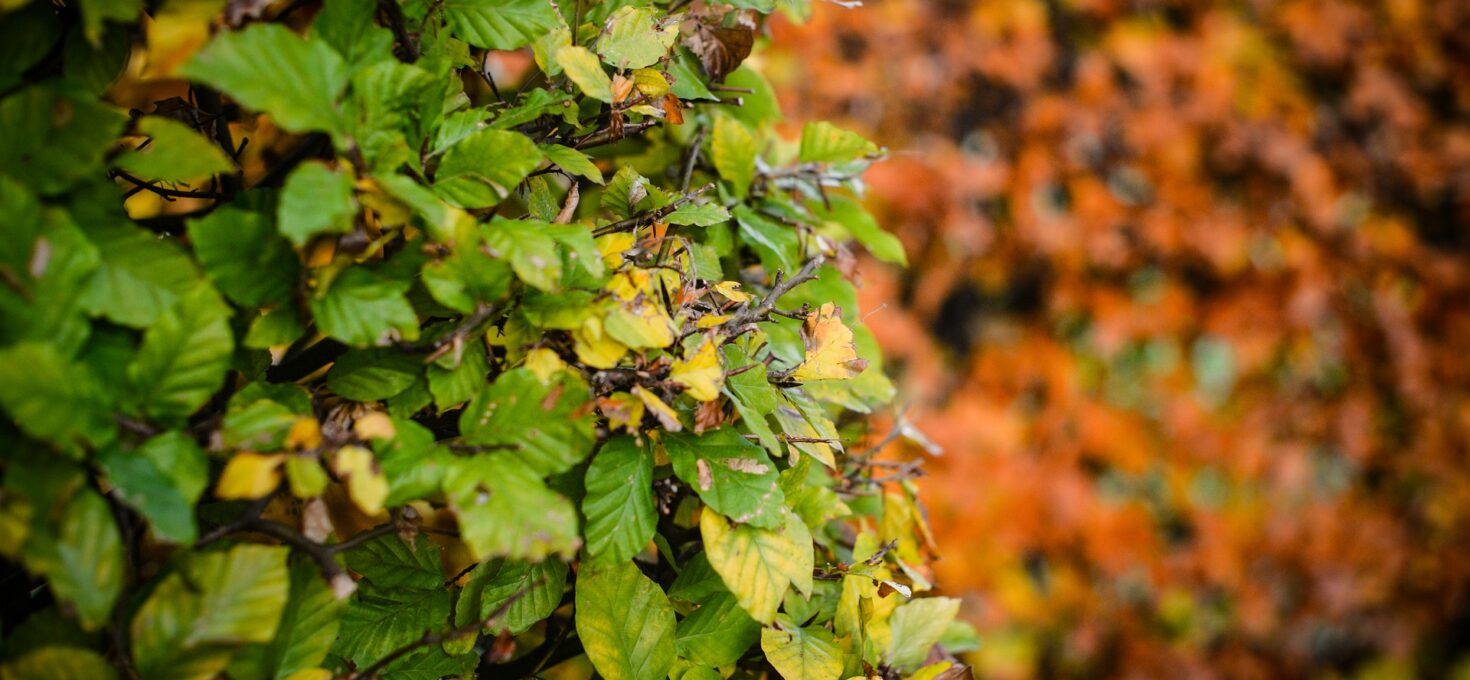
(1189, 310)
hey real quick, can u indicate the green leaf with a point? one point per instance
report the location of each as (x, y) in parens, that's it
(730, 474)
(492, 584)
(278, 326)
(823, 142)
(161, 480)
(530, 249)
(585, 69)
(856, 221)
(534, 105)
(718, 633)
(573, 161)
(467, 277)
(916, 627)
(177, 153)
(94, 67)
(241, 252)
(85, 562)
(624, 193)
(362, 306)
(139, 278)
(52, 139)
(349, 27)
(778, 245)
(619, 507)
(699, 214)
(802, 653)
(752, 385)
(454, 386)
(579, 248)
(58, 662)
(758, 107)
(431, 664)
(733, 149)
(544, 49)
(698, 583)
(625, 622)
(268, 68)
(52, 398)
(96, 12)
(501, 24)
(686, 81)
(214, 603)
(53, 311)
(483, 168)
(758, 565)
(316, 200)
(308, 626)
(26, 35)
(373, 374)
(505, 510)
(401, 596)
(392, 561)
(633, 38)
(184, 356)
(548, 428)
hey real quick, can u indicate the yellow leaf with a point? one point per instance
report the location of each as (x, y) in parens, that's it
(305, 433)
(391, 212)
(594, 347)
(627, 285)
(640, 324)
(621, 410)
(666, 415)
(830, 354)
(366, 485)
(311, 674)
(374, 425)
(802, 653)
(650, 82)
(731, 291)
(758, 565)
(612, 247)
(250, 475)
(176, 32)
(711, 320)
(701, 373)
(544, 363)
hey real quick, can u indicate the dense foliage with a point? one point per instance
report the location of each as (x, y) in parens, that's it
(1188, 311)
(437, 338)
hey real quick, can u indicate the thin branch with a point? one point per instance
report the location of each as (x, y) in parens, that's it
(251, 522)
(653, 215)
(693, 159)
(608, 135)
(361, 538)
(407, 50)
(762, 312)
(165, 191)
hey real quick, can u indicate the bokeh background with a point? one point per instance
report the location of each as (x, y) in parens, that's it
(1188, 310)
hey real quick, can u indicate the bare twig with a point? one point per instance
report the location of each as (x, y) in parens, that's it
(251, 522)
(693, 158)
(407, 50)
(608, 135)
(781, 286)
(166, 192)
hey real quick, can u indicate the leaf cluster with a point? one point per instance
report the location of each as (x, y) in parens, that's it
(427, 375)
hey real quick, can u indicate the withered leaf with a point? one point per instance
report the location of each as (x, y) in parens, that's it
(720, 49)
